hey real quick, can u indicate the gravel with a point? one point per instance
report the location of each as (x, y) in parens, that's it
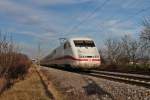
(82, 87)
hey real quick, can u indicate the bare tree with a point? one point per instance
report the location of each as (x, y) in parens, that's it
(129, 48)
(121, 51)
(103, 55)
(12, 63)
(7, 53)
(113, 50)
(145, 34)
(145, 41)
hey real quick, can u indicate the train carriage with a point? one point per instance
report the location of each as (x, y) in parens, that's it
(75, 52)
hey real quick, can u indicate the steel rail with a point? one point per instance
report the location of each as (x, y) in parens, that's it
(133, 79)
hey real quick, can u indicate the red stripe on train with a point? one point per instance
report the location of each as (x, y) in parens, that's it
(95, 59)
(73, 58)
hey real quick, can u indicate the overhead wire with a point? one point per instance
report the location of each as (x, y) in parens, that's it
(100, 7)
(130, 17)
(91, 14)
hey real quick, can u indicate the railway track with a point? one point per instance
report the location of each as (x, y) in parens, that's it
(134, 79)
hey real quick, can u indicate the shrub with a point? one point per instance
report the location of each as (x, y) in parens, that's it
(20, 67)
(12, 64)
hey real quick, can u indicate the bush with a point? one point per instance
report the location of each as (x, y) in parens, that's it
(12, 64)
(20, 67)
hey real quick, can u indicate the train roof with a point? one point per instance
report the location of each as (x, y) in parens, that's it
(80, 38)
(74, 38)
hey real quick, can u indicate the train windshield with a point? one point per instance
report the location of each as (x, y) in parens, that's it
(84, 43)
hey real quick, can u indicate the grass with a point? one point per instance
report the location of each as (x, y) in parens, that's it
(57, 94)
(31, 88)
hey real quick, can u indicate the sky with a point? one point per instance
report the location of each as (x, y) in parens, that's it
(33, 22)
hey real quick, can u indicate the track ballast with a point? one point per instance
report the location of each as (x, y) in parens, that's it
(135, 79)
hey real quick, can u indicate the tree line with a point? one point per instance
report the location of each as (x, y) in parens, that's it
(127, 50)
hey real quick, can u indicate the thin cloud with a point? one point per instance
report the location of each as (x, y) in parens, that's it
(119, 29)
(28, 17)
(54, 2)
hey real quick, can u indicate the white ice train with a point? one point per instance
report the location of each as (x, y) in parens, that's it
(75, 52)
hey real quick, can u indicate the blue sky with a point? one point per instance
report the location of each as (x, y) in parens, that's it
(44, 21)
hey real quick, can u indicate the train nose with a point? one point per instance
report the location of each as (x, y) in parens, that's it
(88, 66)
(89, 63)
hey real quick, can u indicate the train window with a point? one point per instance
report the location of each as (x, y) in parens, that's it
(67, 45)
(84, 43)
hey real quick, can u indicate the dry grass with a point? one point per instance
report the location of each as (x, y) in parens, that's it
(57, 94)
(29, 89)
